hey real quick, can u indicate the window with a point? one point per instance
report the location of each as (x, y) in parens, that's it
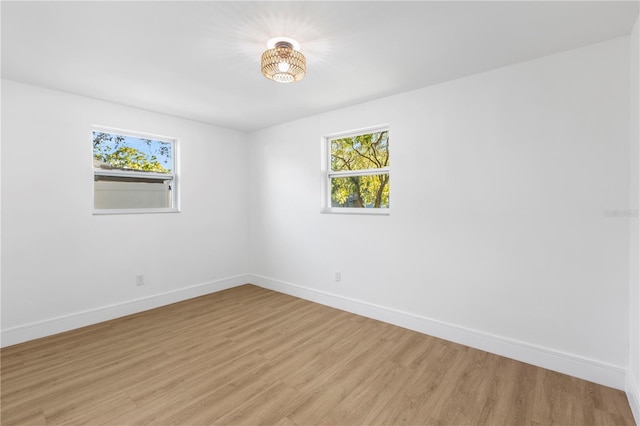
(357, 172)
(133, 173)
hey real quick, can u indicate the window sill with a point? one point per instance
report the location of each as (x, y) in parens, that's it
(356, 211)
(100, 212)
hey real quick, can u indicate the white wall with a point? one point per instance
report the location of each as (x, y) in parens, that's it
(64, 267)
(633, 379)
(497, 237)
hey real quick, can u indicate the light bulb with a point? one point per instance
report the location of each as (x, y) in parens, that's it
(283, 66)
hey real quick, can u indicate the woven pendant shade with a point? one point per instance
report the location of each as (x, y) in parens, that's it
(283, 63)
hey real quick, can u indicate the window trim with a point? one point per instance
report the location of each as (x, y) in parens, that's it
(328, 174)
(174, 175)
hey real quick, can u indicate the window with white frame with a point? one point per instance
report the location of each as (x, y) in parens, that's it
(357, 171)
(133, 172)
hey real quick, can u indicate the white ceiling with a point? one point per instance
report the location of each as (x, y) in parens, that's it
(200, 60)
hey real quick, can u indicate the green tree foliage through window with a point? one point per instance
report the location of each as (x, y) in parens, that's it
(112, 151)
(359, 170)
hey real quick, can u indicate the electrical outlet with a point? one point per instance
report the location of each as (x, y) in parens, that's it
(338, 277)
(139, 279)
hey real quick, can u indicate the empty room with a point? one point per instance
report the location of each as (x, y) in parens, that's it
(320, 213)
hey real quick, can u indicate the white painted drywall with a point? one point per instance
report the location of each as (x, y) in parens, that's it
(59, 260)
(633, 379)
(502, 190)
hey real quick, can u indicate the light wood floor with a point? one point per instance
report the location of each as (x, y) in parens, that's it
(252, 356)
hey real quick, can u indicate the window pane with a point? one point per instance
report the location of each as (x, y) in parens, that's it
(370, 191)
(120, 192)
(113, 151)
(360, 152)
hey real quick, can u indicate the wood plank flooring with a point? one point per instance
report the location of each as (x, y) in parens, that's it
(249, 356)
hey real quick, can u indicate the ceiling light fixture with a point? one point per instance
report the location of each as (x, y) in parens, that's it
(283, 62)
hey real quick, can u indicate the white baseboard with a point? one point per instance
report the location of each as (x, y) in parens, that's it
(52, 326)
(584, 368)
(633, 395)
